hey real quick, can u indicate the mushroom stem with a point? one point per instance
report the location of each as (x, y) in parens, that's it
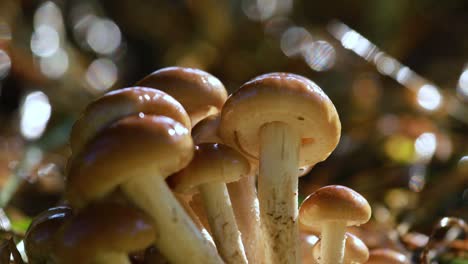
(333, 242)
(222, 222)
(277, 190)
(178, 237)
(244, 200)
(111, 257)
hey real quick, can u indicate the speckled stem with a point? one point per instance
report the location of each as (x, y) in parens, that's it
(178, 238)
(277, 190)
(244, 200)
(222, 222)
(332, 242)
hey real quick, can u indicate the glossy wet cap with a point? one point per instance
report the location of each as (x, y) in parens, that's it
(387, 256)
(206, 131)
(131, 147)
(199, 92)
(334, 203)
(39, 239)
(212, 162)
(356, 252)
(121, 103)
(287, 98)
(104, 227)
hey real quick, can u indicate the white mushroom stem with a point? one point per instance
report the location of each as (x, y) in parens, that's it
(222, 222)
(177, 236)
(332, 242)
(111, 257)
(243, 194)
(277, 190)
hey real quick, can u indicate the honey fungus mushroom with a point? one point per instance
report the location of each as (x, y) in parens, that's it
(103, 233)
(387, 256)
(121, 103)
(285, 121)
(136, 154)
(243, 194)
(331, 209)
(212, 167)
(199, 92)
(40, 236)
(356, 252)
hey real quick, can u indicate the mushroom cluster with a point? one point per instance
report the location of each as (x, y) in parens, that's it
(175, 171)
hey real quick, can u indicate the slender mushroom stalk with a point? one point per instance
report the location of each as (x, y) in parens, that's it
(356, 252)
(136, 154)
(103, 233)
(331, 209)
(199, 92)
(212, 166)
(243, 194)
(285, 121)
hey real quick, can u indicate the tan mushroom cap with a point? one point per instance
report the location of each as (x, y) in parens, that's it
(355, 250)
(212, 162)
(334, 203)
(386, 256)
(199, 92)
(287, 98)
(206, 131)
(121, 103)
(104, 227)
(40, 235)
(128, 148)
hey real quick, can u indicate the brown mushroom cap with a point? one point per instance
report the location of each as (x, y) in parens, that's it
(287, 98)
(128, 148)
(212, 162)
(121, 103)
(206, 131)
(104, 227)
(386, 256)
(39, 239)
(334, 203)
(355, 250)
(199, 92)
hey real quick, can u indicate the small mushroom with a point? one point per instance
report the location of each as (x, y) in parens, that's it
(356, 252)
(285, 121)
(103, 233)
(212, 166)
(136, 154)
(331, 209)
(387, 256)
(199, 92)
(243, 194)
(40, 236)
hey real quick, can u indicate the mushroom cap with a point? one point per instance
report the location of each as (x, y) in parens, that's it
(212, 162)
(334, 203)
(130, 147)
(206, 131)
(40, 235)
(386, 256)
(121, 103)
(104, 227)
(199, 92)
(287, 98)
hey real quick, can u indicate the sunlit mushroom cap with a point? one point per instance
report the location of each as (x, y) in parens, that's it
(104, 227)
(39, 239)
(283, 97)
(199, 92)
(334, 203)
(131, 147)
(387, 256)
(121, 103)
(211, 163)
